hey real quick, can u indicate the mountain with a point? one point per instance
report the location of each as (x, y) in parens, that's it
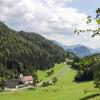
(79, 50)
(69, 54)
(23, 52)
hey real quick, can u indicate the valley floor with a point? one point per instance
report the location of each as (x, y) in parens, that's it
(64, 89)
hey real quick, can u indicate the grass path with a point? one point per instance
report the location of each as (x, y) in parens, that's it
(57, 69)
(59, 75)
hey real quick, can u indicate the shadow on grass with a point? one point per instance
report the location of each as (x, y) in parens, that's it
(31, 88)
(82, 81)
(90, 96)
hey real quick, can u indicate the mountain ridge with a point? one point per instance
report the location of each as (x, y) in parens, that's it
(78, 49)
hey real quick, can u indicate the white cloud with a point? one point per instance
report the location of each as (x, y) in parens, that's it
(51, 18)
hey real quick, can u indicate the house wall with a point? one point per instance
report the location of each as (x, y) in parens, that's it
(28, 82)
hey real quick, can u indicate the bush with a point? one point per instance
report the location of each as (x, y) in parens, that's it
(54, 80)
(35, 76)
(45, 84)
(2, 85)
(50, 73)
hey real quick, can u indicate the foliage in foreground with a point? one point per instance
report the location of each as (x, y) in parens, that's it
(94, 62)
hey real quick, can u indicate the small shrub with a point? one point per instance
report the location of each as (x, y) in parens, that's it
(45, 84)
(54, 80)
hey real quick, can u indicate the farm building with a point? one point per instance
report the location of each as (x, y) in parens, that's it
(12, 83)
(22, 81)
(27, 80)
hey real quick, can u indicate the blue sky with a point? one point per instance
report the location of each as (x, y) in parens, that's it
(86, 6)
(53, 19)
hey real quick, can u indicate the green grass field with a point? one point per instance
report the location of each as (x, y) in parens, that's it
(64, 89)
(57, 69)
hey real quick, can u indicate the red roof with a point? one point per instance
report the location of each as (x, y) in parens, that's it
(28, 78)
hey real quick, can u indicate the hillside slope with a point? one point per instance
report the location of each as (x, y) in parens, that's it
(22, 52)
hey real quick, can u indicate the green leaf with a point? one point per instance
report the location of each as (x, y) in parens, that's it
(98, 21)
(98, 28)
(98, 10)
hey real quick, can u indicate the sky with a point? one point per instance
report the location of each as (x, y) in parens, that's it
(53, 19)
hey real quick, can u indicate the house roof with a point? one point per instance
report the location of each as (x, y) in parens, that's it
(12, 83)
(28, 78)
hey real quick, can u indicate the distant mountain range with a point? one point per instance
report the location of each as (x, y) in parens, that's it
(78, 49)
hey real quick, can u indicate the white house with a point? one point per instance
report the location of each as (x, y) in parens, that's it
(26, 79)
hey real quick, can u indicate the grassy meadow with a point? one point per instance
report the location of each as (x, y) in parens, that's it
(42, 75)
(64, 89)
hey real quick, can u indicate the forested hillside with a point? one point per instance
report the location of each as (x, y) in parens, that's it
(22, 52)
